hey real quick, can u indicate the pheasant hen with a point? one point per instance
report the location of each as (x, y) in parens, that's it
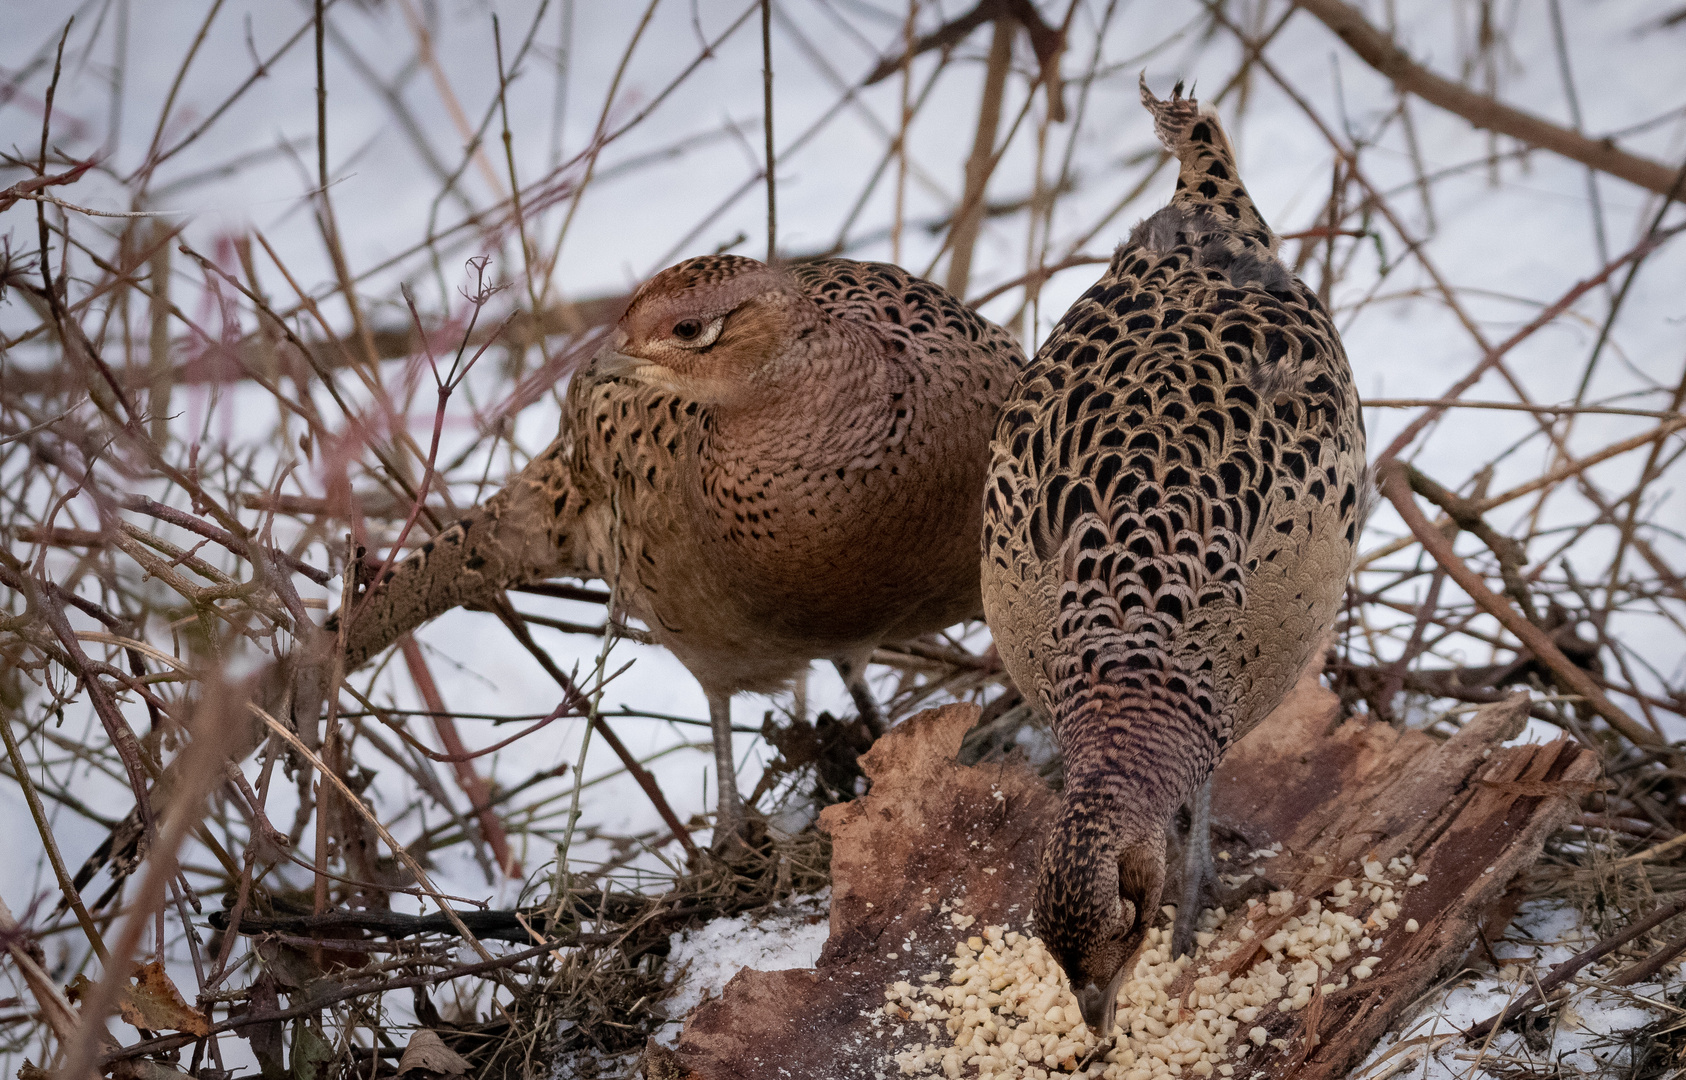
(769, 466)
(1175, 489)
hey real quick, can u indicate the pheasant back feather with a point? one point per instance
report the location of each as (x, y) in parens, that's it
(1175, 490)
(1177, 483)
(826, 504)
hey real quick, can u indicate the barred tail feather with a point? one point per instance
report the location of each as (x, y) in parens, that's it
(523, 533)
(1208, 180)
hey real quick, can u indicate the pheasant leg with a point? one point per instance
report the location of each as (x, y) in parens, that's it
(854, 677)
(729, 810)
(1200, 877)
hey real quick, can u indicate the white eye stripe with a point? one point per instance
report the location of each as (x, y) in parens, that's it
(704, 339)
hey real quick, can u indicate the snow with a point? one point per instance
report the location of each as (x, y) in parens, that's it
(1580, 1040)
(703, 960)
(1518, 236)
(591, 1065)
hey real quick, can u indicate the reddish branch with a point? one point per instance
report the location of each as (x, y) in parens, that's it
(140, 504)
(23, 189)
(105, 705)
(1563, 972)
(314, 1005)
(1497, 352)
(472, 783)
(1047, 42)
(575, 699)
(492, 925)
(1648, 968)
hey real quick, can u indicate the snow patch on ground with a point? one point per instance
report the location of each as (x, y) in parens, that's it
(590, 1065)
(1578, 1043)
(703, 960)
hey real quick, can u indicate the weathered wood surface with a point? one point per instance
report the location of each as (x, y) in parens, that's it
(933, 833)
(1472, 814)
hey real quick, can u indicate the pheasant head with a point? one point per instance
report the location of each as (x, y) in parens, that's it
(712, 328)
(1097, 894)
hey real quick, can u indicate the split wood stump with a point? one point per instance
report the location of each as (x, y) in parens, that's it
(934, 839)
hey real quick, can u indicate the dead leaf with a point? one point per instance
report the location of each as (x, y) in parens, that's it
(267, 1037)
(310, 1052)
(428, 1053)
(75, 988)
(153, 1002)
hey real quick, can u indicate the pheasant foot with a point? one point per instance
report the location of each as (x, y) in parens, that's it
(854, 677)
(728, 817)
(1200, 877)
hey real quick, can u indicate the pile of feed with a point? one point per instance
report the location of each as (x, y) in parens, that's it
(1006, 1011)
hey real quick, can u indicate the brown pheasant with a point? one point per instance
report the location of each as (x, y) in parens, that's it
(1175, 490)
(769, 465)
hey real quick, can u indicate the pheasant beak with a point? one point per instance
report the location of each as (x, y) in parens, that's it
(613, 363)
(1098, 1009)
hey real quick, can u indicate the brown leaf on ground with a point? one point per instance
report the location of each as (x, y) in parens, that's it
(428, 1054)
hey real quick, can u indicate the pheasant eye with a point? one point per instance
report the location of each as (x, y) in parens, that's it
(687, 329)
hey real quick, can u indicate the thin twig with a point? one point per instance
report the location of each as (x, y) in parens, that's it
(767, 126)
(1565, 971)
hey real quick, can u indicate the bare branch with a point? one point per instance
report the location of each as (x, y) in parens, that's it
(1378, 50)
